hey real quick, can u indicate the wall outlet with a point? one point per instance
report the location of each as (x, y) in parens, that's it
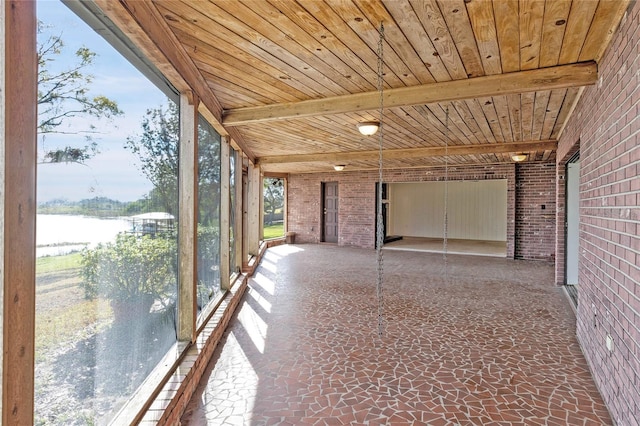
(609, 343)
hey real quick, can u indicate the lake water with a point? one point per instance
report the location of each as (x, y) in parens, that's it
(61, 234)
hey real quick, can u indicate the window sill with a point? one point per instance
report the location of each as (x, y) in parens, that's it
(163, 397)
(171, 399)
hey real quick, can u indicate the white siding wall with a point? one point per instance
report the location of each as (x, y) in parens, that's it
(477, 210)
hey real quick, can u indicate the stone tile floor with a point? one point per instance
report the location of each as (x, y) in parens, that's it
(482, 341)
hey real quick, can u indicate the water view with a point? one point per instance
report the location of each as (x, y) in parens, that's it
(63, 234)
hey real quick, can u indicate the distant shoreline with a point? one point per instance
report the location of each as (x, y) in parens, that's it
(60, 234)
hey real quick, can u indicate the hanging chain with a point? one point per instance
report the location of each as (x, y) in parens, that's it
(446, 195)
(379, 218)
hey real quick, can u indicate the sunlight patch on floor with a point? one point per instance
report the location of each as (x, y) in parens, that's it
(264, 303)
(269, 266)
(264, 282)
(255, 326)
(283, 250)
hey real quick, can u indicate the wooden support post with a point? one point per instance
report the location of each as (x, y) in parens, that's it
(238, 222)
(188, 218)
(245, 213)
(2, 180)
(18, 204)
(255, 194)
(225, 272)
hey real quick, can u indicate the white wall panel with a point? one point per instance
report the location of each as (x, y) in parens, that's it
(416, 209)
(477, 210)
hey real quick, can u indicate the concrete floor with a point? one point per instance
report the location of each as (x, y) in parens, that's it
(483, 341)
(454, 246)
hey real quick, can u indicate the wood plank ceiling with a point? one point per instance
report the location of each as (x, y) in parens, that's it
(294, 77)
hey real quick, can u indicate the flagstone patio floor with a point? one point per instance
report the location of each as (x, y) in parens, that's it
(465, 341)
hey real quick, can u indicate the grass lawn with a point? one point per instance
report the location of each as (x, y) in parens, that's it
(274, 231)
(63, 314)
(50, 264)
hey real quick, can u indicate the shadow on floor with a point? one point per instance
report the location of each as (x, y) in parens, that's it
(477, 340)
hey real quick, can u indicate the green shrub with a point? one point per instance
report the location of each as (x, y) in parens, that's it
(130, 269)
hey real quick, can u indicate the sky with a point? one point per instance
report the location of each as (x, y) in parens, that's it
(114, 172)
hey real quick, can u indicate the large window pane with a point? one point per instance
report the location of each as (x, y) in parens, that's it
(208, 213)
(107, 211)
(232, 210)
(273, 202)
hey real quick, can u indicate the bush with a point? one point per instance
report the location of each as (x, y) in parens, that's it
(130, 269)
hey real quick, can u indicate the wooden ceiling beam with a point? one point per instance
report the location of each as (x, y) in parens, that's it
(558, 77)
(144, 24)
(395, 154)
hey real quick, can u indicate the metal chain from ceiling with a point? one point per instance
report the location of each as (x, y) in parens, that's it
(446, 197)
(379, 218)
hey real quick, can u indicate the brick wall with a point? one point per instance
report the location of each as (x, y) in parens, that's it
(303, 205)
(356, 214)
(606, 122)
(535, 211)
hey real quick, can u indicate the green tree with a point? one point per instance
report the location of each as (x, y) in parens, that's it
(157, 152)
(273, 197)
(64, 94)
(208, 175)
(151, 202)
(131, 269)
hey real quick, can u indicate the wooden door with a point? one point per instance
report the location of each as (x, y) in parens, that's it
(330, 212)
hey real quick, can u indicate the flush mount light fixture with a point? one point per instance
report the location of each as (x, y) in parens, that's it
(338, 167)
(519, 158)
(368, 128)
